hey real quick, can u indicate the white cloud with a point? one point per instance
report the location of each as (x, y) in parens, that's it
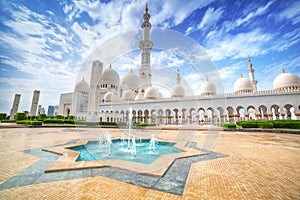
(291, 13)
(210, 17)
(239, 46)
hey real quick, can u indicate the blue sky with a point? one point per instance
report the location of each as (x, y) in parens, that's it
(44, 43)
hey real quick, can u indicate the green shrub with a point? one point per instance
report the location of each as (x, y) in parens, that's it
(69, 121)
(70, 117)
(8, 121)
(42, 117)
(36, 123)
(59, 117)
(142, 124)
(108, 123)
(20, 116)
(7, 117)
(53, 121)
(230, 125)
(249, 124)
(23, 122)
(86, 123)
(268, 125)
(288, 124)
(2, 116)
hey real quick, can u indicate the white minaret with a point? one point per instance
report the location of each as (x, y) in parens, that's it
(35, 101)
(251, 75)
(15, 106)
(145, 45)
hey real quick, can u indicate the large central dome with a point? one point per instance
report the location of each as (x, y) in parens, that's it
(243, 85)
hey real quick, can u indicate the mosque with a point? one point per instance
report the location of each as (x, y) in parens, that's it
(108, 98)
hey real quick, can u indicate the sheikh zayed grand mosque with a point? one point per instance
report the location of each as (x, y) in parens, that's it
(108, 98)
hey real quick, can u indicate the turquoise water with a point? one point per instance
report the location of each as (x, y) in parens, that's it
(91, 151)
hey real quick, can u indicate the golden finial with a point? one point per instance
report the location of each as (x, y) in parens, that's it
(110, 66)
(241, 75)
(283, 70)
(206, 79)
(249, 59)
(131, 70)
(146, 9)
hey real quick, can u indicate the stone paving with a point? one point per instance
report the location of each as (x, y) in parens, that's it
(253, 166)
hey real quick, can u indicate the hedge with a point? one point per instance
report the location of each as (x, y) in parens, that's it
(20, 116)
(69, 121)
(144, 124)
(36, 123)
(287, 124)
(230, 125)
(23, 122)
(53, 121)
(2, 116)
(108, 123)
(8, 121)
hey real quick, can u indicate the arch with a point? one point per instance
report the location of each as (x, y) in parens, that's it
(251, 112)
(289, 111)
(210, 112)
(146, 116)
(275, 111)
(262, 109)
(230, 114)
(175, 111)
(160, 115)
(153, 116)
(168, 116)
(193, 115)
(241, 113)
(139, 116)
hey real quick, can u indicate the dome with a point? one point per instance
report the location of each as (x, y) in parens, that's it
(150, 93)
(243, 85)
(140, 96)
(108, 97)
(286, 81)
(208, 88)
(129, 95)
(159, 94)
(131, 80)
(110, 76)
(178, 91)
(82, 86)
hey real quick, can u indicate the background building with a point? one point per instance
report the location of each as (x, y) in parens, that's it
(34, 104)
(15, 106)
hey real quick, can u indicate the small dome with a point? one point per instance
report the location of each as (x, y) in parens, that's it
(286, 81)
(208, 88)
(243, 85)
(129, 95)
(82, 86)
(150, 93)
(131, 80)
(178, 91)
(108, 97)
(140, 96)
(110, 76)
(159, 94)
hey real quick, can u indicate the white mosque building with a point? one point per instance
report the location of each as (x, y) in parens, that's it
(108, 98)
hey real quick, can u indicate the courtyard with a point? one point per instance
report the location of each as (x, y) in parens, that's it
(228, 165)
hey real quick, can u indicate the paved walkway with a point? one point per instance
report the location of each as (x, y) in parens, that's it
(254, 166)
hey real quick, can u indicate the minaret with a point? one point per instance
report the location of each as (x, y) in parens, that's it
(178, 77)
(15, 106)
(251, 75)
(145, 46)
(35, 101)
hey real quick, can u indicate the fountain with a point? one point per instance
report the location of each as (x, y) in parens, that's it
(100, 141)
(133, 147)
(129, 126)
(123, 139)
(108, 139)
(152, 143)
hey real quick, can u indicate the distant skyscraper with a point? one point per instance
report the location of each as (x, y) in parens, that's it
(15, 106)
(35, 101)
(50, 111)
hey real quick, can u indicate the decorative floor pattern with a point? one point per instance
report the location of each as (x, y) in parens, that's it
(172, 182)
